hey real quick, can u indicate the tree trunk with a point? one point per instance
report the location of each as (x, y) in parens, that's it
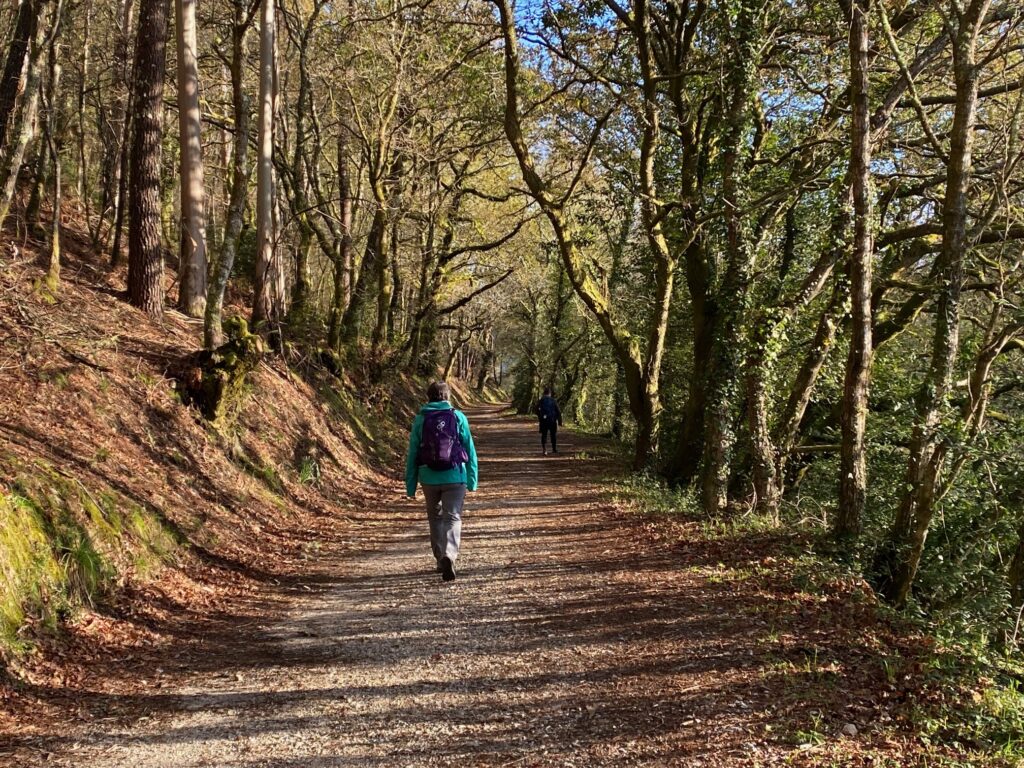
(760, 364)
(25, 28)
(116, 188)
(170, 214)
(269, 304)
(351, 323)
(385, 289)
(618, 426)
(301, 171)
(52, 151)
(485, 369)
(22, 129)
(928, 446)
(386, 194)
(301, 290)
(82, 190)
(689, 448)
(853, 459)
(40, 181)
(649, 409)
(724, 368)
(192, 257)
(145, 246)
(213, 331)
(121, 202)
(646, 428)
(343, 259)
(397, 286)
(453, 355)
(787, 428)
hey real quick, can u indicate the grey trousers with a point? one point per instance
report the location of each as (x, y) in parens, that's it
(444, 512)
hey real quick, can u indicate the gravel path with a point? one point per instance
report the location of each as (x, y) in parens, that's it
(567, 640)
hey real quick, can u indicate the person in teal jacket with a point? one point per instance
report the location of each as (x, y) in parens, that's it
(444, 490)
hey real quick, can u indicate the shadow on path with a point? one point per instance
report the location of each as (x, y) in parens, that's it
(571, 637)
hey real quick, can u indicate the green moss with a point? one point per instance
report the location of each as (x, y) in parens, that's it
(27, 563)
(215, 381)
(352, 412)
(265, 473)
(64, 546)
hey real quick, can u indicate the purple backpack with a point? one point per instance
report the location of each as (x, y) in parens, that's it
(440, 446)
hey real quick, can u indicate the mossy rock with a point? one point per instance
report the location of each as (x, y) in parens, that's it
(214, 381)
(332, 362)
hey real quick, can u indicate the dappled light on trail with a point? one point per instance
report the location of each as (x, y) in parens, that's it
(571, 637)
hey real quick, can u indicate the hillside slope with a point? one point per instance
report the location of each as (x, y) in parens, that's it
(129, 527)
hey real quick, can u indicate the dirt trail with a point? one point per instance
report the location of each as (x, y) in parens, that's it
(568, 639)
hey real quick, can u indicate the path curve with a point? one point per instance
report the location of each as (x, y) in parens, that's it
(567, 640)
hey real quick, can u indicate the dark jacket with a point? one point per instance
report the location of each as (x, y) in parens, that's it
(548, 412)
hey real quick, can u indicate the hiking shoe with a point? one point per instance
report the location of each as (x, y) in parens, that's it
(447, 569)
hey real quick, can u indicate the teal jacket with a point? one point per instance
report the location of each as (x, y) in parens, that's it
(464, 473)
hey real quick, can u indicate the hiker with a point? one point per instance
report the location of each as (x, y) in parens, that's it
(550, 417)
(442, 459)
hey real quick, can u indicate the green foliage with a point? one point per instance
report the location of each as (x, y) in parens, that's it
(63, 546)
(29, 568)
(555, 344)
(815, 734)
(978, 713)
(309, 471)
(525, 389)
(652, 496)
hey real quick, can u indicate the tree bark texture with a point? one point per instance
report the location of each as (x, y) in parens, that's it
(853, 457)
(343, 259)
(22, 129)
(14, 66)
(223, 265)
(51, 150)
(735, 285)
(928, 447)
(116, 189)
(145, 245)
(192, 256)
(269, 305)
(368, 275)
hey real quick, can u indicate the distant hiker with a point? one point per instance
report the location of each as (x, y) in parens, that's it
(550, 417)
(442, 459)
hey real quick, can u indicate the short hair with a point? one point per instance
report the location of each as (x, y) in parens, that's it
(438, 392)
(547, 391)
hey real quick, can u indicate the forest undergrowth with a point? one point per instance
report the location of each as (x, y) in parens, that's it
(949, 698)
